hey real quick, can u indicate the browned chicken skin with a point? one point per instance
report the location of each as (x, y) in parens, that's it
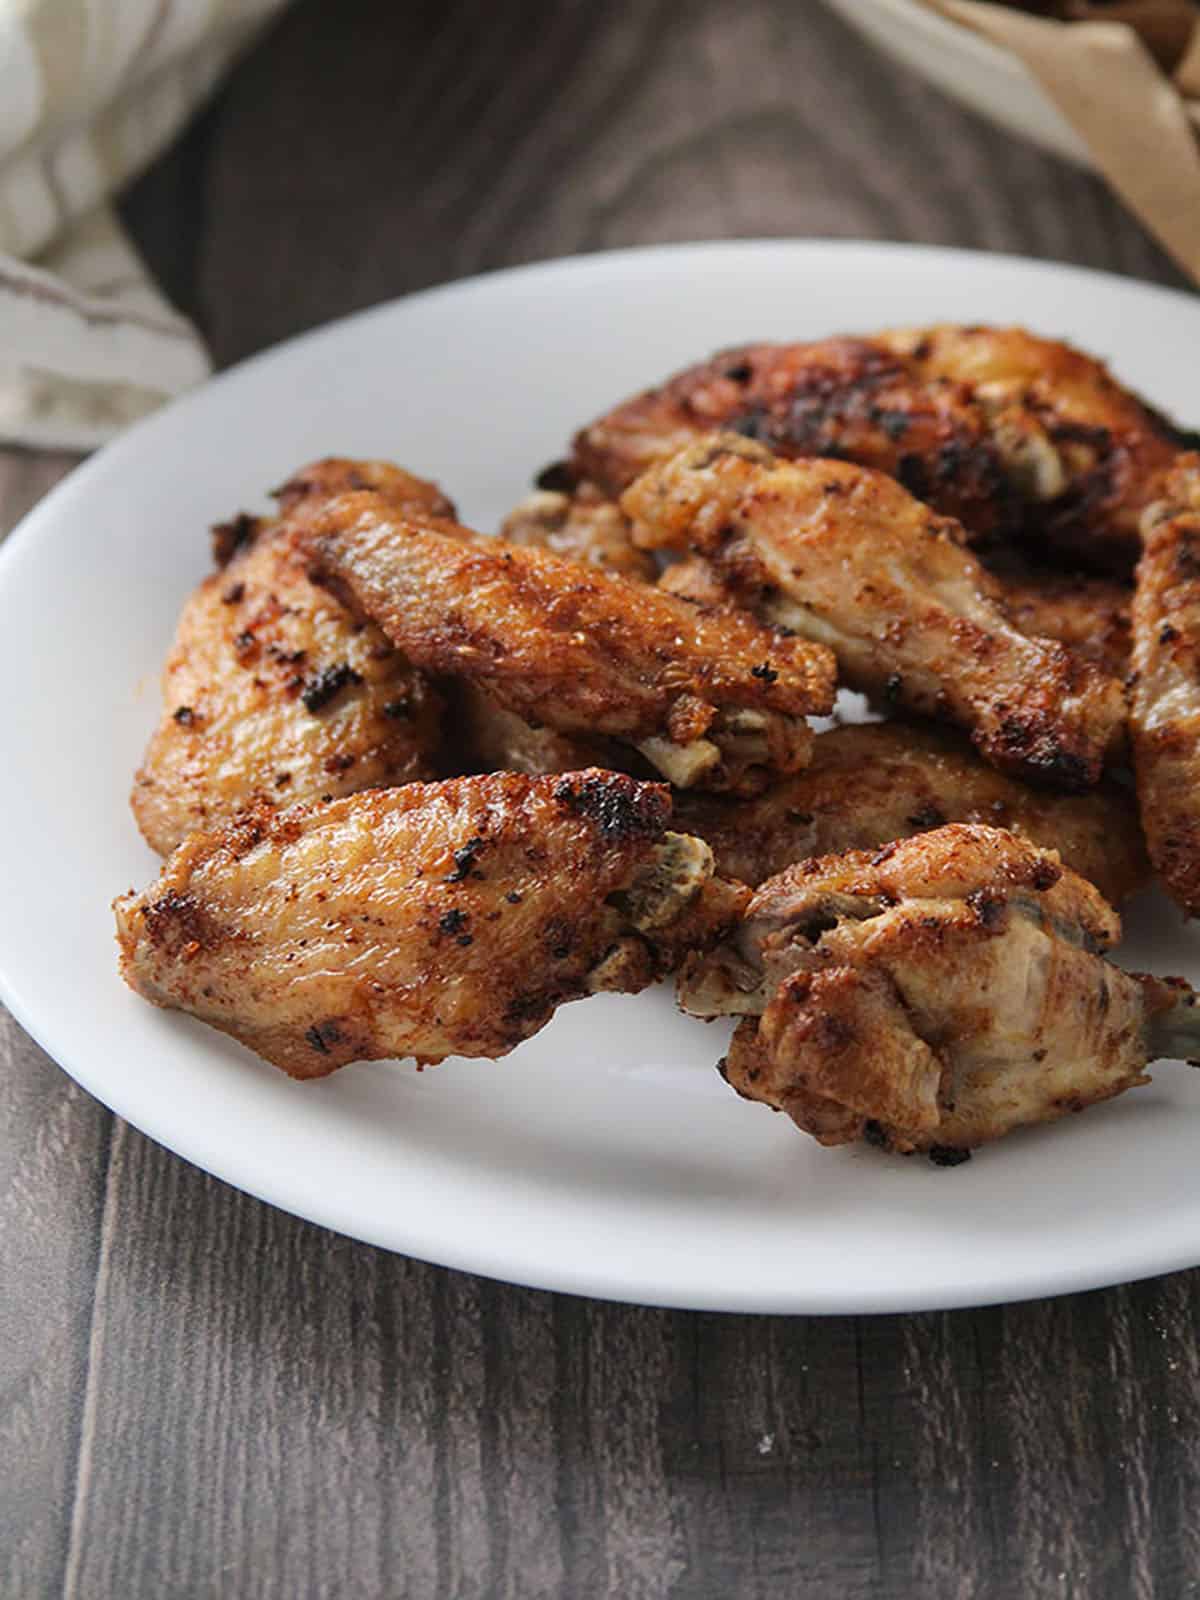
(934, 995)
(846, 556)
(425, 921)
(1165, 685)
(1009, 433)
(1089, 614)
(272, 692)
(714, 699)
(871, 784)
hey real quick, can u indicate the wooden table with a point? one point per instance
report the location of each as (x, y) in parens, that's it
(202, 1397)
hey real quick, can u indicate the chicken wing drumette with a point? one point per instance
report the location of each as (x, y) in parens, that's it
(714, 699)
(935, 994)
(1164, 714)
(1009, 433)
(272, 691)
(871, 784)
(425, 921)
(846, 556)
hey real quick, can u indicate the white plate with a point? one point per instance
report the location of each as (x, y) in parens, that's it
(605, 1156)
(967, 66)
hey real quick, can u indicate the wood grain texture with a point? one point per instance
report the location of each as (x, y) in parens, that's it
(201, 1397)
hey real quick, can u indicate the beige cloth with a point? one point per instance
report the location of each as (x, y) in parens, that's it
(1139, 123)
(90, 92)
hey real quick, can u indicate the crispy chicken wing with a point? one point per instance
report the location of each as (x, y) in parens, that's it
(272, 691)
(935, 994)
(846, 556)
(1164, 714)
(709, 698)
(425, 921)
(871, 784)
(1006, 432)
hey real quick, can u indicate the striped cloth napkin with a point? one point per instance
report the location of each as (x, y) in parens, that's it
(90, 92)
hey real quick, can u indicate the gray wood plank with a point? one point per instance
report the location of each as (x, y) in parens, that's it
(53, 1157)
(208, 1398)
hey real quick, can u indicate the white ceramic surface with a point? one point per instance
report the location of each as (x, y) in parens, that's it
(969, 67)
(604, 1156)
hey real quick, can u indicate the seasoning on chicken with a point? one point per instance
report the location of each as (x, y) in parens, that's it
(272, 692)
(873, 783)
(426, 921)
(934, 995)
(846, 556)
(1164, 716)
(1090, 615)
(714, 699)
(1009, 433)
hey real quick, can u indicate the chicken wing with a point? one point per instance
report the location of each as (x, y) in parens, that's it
(871, 784)
(934, 995)
(272, 691)
(425, 921)
(1004, 431)
(846, 556)
(708, 698)
(1164, 716)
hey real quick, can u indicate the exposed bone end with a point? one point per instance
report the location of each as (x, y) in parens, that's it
(673, 906)
(681, 764)
(680, 866)
(722, 984)
(757, 747)
(1172, 1019)
(624, 969)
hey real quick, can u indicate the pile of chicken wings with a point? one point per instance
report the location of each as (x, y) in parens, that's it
(418, 786)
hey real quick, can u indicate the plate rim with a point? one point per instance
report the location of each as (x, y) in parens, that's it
(787, 1297)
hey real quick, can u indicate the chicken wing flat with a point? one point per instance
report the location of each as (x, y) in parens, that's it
(846, 556)
(873, 783)
(1004, 431)
(585, 525)
(844, 398)
(431, 920)
(1164, 714)
(272, 692)
(715, 699)
(935, 994)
